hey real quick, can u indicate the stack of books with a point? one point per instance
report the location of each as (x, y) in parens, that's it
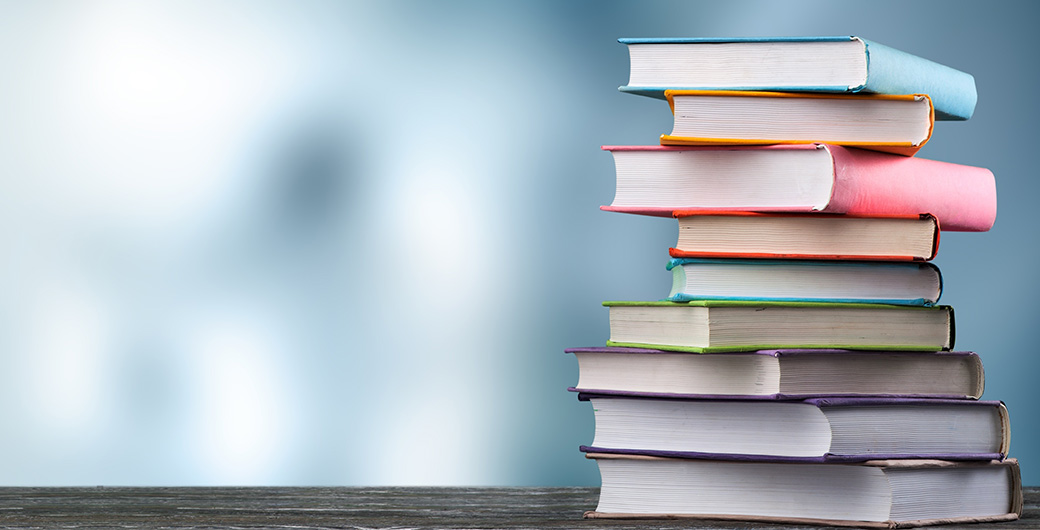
(801, 369)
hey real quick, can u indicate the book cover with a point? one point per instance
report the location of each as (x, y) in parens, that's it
(886, 70)
(899, 283)
(867, 183)
(827, 232)
(863, 182)
(961, 373)
(989, 419)
(905, 148)
(872, 494)
(833, 311)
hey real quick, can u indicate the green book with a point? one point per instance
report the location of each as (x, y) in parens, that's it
(704, 326)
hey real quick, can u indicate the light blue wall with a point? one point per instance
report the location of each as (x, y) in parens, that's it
(347, 242)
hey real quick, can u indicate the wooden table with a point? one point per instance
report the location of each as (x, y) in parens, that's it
(354, 508)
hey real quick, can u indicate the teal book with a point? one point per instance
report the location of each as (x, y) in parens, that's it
(843, 64)
(901, 283)
(705, 326)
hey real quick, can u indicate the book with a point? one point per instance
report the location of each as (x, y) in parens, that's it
(817, 429)
(778, 374)
(805, 236)
(877, 493)
(723, 325)
(899, 124)
(842, 64)
(656, 180)
(904, 283)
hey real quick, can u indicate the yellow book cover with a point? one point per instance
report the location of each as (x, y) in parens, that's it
(899, 124)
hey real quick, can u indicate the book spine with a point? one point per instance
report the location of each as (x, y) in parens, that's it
(890, 71)
(963, 198)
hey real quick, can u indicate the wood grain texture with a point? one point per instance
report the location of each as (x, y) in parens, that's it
(344, 508)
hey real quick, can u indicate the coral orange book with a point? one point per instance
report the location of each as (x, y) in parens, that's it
(724, 234)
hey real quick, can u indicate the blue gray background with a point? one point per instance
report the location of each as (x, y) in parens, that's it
(347, 242)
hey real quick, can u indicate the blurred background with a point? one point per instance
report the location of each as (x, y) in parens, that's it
(346, 243)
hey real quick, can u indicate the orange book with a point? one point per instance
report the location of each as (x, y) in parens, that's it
(899, 124)
(805, 236)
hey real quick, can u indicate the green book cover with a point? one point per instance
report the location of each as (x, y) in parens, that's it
(785, 304)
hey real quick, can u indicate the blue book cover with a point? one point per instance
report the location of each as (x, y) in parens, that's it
(873, 67)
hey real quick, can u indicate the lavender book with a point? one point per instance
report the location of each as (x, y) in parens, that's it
(813, 430)
(779, 374)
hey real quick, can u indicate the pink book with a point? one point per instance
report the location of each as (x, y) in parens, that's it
(656, 180)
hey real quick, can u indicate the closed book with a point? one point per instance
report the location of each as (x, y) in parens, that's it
(778, 374)
(817, 429)
(657, 180)
(841, 64)
(904, 283)
(705, 234)
(898, 124)
(874, 494)
(704, 326)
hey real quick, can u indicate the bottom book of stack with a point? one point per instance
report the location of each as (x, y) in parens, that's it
(875, 493)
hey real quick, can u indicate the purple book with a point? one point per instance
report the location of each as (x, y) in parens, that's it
(812, 430)
(779, 374)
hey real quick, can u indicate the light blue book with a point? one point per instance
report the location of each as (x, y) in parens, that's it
(900, 283)
(802, 64)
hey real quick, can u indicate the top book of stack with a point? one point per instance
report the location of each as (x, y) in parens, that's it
(795, 64)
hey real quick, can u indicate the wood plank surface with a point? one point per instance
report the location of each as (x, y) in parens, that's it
(339, 507)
